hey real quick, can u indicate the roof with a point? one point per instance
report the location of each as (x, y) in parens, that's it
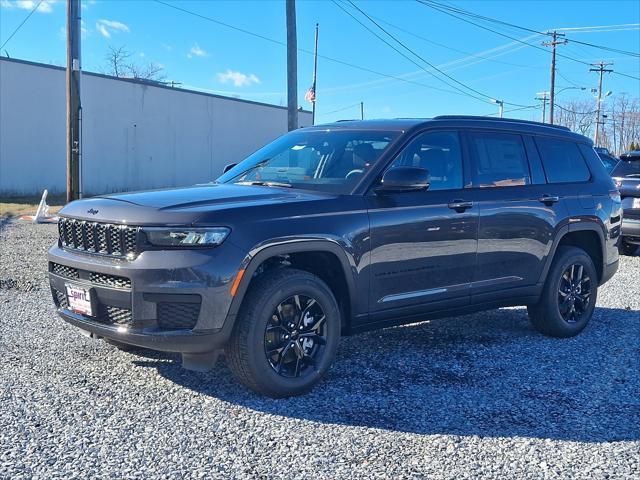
(457, 121)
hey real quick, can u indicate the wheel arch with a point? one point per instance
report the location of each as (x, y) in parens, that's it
(587, 235)
(296, 250)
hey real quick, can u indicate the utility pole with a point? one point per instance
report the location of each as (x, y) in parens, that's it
(543, 98)
(73, 100)
(600, 68)
(292, 67)
(552, 91)
(361, 110)
(315, 77)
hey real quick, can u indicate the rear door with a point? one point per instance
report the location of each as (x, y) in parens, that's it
(423, 244)
(519, 213)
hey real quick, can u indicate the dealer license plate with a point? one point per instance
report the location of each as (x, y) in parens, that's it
(79, 299)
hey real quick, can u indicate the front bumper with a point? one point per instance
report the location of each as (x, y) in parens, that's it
(176, 301)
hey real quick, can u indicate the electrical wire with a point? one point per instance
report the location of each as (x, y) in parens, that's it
(495, 20)
(448, 47)
(445, 9)
(404, 55)
(309, 52)
(453, 79)
(340, 109)
(20, 26)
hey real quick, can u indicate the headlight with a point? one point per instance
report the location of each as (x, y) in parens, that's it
(186, 237)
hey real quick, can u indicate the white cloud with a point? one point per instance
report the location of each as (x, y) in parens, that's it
(45, 7)
(238, 79)
(196, 51)
(107, 27)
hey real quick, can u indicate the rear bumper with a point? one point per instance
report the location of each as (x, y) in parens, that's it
(631, 228)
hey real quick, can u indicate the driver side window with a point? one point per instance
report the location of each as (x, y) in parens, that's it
(438, 152)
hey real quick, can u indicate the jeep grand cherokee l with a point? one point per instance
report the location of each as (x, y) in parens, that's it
(336, 229)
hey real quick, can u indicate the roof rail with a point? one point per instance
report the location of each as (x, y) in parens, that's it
(490, 119)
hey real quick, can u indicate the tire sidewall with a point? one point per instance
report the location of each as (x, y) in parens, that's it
(296, 284)
(573, 256)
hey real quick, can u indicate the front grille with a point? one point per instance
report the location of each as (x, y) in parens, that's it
(64, 271)
(178, 314)
(102, 238)
(112, 281)
(107, 280)
(114, 315)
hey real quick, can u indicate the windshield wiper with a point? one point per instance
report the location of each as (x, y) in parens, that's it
(264, 183)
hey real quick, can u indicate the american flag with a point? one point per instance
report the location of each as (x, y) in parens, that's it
(310, 96)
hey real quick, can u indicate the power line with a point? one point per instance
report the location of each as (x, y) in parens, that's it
(403, 54)
(513, 25)
(324, 57)
(20, 26)
(481, 94)
(527, 107)
(448, 47)
(447, 11)
(341, 109)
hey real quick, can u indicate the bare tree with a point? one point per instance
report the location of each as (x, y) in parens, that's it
(119, 64)
(578, 115)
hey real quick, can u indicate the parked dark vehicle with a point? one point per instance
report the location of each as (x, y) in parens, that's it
(609, 161)
(626, 175)
(336, 229)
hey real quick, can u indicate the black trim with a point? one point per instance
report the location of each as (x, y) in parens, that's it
(251, 264)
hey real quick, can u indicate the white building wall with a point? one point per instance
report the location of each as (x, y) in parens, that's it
(135, 135)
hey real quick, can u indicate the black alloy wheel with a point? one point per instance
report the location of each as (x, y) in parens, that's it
(574, 293)
(295, 336)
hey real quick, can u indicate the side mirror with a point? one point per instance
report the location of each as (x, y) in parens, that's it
(228, 167)
(404, 179)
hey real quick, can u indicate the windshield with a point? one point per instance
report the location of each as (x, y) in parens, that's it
(331, 161)
(627, 169)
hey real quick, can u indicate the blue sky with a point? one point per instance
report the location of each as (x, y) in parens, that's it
(204, 55)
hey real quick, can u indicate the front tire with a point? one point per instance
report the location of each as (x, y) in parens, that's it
(569, 295)
(286, 333)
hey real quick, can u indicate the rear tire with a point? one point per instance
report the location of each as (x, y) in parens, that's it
(626, 248)
(286, 334)
(569, 295)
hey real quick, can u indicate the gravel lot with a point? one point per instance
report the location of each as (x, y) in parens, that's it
(481, 395)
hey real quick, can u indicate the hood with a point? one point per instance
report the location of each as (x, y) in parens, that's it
(180, 205)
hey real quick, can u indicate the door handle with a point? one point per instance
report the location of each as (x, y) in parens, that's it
(548, 199)
(460, 205)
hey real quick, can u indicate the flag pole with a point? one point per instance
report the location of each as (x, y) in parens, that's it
(315, 72)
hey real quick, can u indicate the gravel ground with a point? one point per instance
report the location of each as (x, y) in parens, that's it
(481, 395)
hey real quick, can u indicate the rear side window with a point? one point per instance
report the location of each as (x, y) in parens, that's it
(562, 161)
(501, 160)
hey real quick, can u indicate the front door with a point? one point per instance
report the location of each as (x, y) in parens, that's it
(423, 244)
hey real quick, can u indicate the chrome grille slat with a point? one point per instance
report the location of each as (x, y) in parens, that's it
(102, 238)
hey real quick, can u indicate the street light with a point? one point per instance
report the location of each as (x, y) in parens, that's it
(500, 103)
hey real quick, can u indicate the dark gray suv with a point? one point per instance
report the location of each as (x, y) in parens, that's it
(336, 229)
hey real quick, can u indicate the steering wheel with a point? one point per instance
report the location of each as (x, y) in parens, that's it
(354, 172)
